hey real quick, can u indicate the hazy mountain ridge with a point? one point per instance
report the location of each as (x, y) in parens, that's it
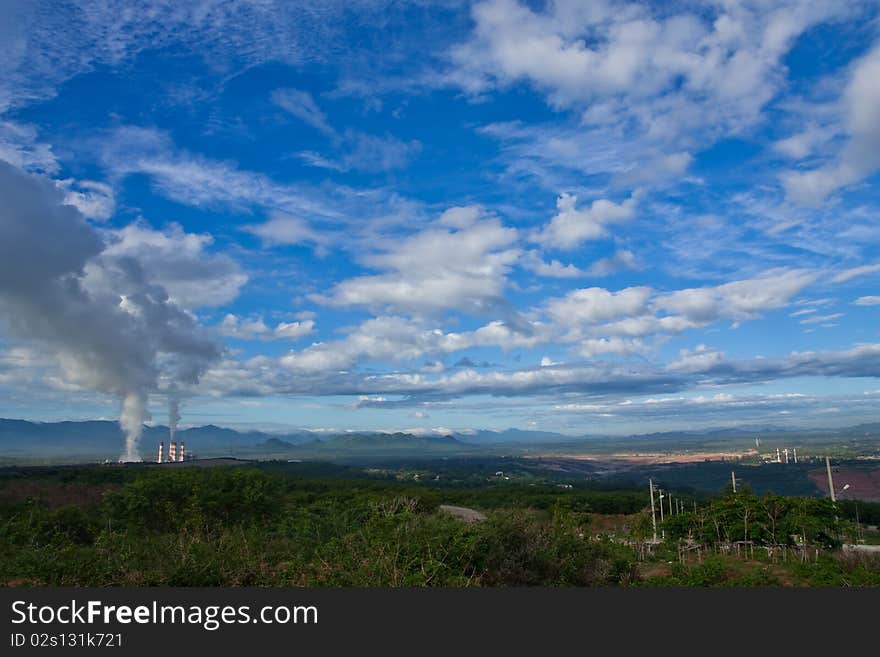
(20, 438)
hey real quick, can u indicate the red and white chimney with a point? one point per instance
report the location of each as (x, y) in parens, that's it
(172, 451)
(161, 451)
(182, 452)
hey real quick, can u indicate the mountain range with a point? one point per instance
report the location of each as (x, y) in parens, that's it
(21, 439)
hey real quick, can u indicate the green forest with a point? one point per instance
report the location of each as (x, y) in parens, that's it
(270, 526)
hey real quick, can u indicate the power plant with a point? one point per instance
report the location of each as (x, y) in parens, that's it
(175, 453)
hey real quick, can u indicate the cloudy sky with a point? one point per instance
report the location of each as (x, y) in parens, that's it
(570, 216)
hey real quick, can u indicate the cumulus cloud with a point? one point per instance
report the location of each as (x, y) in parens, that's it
(596, 305)
(571, 226)
(441, 268)
(180, 263)
(667, 74)
(553, 269)
(398, 339)
(737, 300)
(607, 321)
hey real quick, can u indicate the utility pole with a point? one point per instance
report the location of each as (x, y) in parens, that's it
(830, 480)
(653, 512)
(660, 490)
(670, 505)
(733, 480)
(859, 536)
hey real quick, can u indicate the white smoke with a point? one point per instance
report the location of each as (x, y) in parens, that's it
(173, 415)
(110, 328)
(131, 419)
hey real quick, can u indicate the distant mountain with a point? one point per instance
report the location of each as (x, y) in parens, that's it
(104, 438)
(277, 444)
(485, 437)
(389, 441)
(100, 439)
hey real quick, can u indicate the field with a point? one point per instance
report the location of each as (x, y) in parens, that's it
(863, 480)
(437, 523)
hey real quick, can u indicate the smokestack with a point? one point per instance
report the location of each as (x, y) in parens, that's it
(778, 460)
(172, 451)
(794, 449)
(785, 451)
(161, 451)
(182, 452)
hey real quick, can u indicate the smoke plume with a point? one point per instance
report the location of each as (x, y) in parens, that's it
(173, 415)
(131, 419)
(108, 327)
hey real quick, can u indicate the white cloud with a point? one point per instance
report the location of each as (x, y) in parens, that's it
(591, 347)
(284, 229)
(302, 106)
(45, 45)
(356, 150)
(380, 338)
(821, 319)
(571, 227)
(21, 147)
(669, 73)
(867, 301)
(360, 151)
(399, 339)
(804, 143)
(860, 156)
(180, 262)
(737, 300)
(599, 314)
(257, 329)
(596, 305)
(93, 199)
(620, 261)
(438, 269)
(553, 269)
(849, 274)
(202, 182)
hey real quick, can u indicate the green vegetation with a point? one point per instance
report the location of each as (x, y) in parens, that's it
(325, 525)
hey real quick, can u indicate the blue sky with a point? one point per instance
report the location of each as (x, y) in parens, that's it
(580, 217)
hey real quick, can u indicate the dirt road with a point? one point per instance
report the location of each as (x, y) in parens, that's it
(468, 515)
